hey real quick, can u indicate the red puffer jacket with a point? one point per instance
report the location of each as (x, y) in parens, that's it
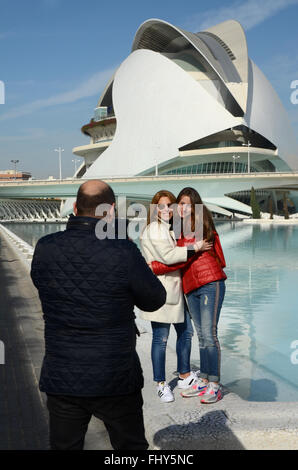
(202, 268)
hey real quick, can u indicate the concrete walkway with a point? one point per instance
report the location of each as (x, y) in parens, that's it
(23, 420)
(232, 423)
(184, 424)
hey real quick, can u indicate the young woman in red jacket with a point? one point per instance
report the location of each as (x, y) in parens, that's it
(203, 281)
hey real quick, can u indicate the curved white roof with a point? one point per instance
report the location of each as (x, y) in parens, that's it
(159, 110)
(230, 34)
(214, 45)
(106, 89)
(267, 115)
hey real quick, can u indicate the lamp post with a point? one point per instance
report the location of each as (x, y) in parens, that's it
(235, 157)
(59, 150)
(15, 167)
(248, 155)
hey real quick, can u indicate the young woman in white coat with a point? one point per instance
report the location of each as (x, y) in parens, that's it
(158, 243)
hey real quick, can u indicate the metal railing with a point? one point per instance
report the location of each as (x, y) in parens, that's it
(148, 177)
(102, 118)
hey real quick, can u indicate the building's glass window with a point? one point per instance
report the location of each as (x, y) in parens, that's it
(211, 167)
(101, 112)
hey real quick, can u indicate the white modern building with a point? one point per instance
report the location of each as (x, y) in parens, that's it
(190, 104)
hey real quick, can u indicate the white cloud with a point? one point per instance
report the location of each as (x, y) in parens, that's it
(32, 134)
(249, 13)
(93, 86)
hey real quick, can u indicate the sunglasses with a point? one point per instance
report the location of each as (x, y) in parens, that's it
(162, 207)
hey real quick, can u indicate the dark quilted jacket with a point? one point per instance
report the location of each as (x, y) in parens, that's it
(88, 288)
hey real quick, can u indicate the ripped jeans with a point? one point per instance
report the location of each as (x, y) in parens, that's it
(160, 334)
(204, 306)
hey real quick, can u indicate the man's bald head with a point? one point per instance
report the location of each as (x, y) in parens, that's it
(91, 194)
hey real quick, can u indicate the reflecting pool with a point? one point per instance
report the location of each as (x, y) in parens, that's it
(258, 327)
(32, 232)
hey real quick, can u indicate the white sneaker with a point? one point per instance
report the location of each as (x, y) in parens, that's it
(164, 392)
(189, 381)
(196, 390)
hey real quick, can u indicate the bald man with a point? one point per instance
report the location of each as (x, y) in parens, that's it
(91, 195)
(88, 288)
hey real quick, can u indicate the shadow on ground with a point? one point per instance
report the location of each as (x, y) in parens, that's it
(23, 423)
(210, 432)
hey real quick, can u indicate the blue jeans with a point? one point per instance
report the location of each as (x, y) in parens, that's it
(204, 306)
(160, 334)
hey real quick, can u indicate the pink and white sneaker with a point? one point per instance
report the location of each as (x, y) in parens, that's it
(212, 394)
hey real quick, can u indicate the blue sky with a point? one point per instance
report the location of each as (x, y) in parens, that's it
(57, 55)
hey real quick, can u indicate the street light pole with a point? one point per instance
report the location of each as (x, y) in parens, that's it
(15, 167)
(234, 158)
(248, 155)
(60, 150)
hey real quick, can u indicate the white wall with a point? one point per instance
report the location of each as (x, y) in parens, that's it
(159, 108)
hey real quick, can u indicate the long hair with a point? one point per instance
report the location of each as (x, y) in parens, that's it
(208, 224)
(152, 214)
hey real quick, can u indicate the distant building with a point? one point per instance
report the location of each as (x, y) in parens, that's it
(8, 175)
(189, 104)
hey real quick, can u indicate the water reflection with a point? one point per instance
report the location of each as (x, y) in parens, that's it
(259, 316)
(32, 232)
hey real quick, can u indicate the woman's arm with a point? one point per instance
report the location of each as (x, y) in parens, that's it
(161, 268)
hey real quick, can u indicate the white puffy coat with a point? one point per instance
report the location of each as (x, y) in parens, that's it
(158, 244)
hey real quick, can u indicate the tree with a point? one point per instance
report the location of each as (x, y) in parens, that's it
(285, 206)
(256, 213)
(270, 207)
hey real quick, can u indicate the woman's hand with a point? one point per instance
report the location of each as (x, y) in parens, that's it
(150, 266)
(203, 245)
